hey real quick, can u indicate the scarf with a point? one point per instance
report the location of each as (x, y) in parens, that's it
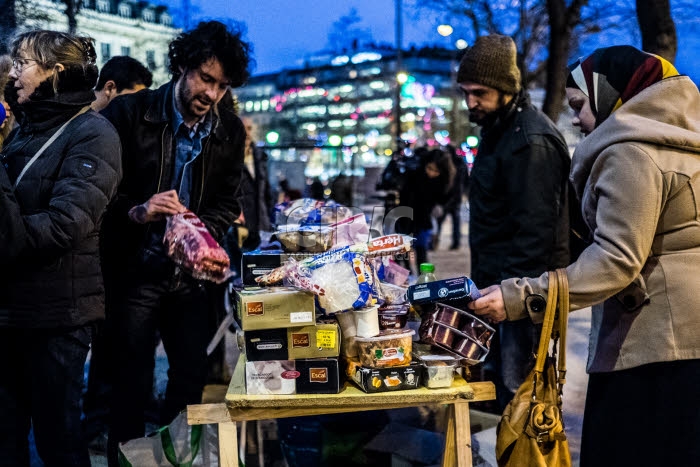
(611, 76)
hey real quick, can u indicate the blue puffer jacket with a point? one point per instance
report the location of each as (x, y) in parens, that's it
(49, 253)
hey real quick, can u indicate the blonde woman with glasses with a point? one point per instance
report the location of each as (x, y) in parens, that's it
(60, 167)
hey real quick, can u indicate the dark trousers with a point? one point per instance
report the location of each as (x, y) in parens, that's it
(454, 212)
(178, 309)
(41, 382)
(646, 416)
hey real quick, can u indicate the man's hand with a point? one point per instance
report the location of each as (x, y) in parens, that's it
(490, 305)
(156, 208)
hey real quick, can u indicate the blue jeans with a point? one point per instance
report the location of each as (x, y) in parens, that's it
(41, 383)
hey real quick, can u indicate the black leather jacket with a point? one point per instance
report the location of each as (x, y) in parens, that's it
(519, 220)
(143, 122)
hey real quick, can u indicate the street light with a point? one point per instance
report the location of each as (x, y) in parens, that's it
(445, 30)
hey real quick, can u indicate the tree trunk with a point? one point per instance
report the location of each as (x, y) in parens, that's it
(8, 24)
(657, 28)
(562, 20)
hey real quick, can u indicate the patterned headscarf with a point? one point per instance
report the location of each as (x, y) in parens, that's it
(613, 75)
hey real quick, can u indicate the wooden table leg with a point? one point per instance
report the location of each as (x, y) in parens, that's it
(228, 444)
(463, 434)
(458, 441)
(448, 456)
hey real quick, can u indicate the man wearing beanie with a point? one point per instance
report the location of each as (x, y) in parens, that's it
(518, 225)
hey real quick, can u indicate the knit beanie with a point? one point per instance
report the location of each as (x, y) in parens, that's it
(491, 62)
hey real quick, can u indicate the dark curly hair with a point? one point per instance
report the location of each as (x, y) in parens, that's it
(211, 39)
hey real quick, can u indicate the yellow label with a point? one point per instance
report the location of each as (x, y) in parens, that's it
(325, 339)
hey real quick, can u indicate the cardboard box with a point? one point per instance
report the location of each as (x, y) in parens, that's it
(318, 376)
(266, 344)
(443, 290)
(384, 379)
(258, 263)
(274, 307)
(322, 340)
(270, 377)
(307, 376)
(319, 341)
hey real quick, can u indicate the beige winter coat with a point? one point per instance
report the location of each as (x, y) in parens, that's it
(638, 178)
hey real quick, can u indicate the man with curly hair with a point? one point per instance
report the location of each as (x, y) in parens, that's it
(181, 150)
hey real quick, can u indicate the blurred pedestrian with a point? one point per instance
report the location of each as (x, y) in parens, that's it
(636, 175)
(59, 170)
(255, 194)
(453, 205)
(181, 151)
(424, 188)
(341, 189)
(518, 224)
(120, 75)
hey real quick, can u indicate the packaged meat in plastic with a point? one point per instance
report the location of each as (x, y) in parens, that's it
(190, 245)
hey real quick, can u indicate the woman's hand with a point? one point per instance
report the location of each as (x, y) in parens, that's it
(490, 305)
(157, 207)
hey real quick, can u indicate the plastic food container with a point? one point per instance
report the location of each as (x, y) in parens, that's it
(458, 331)
(389, 348)
(348, 331)
(393, 294)
(449, 316)
(438, 365)
(366, 321)
(393, 318)
(438, 373)
(314, 239)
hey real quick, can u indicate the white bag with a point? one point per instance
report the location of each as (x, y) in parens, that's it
(177, 444)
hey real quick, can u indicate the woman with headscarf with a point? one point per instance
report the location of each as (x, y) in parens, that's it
(636, 176)
(60, 167)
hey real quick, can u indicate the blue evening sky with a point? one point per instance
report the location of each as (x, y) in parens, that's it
(283, 32)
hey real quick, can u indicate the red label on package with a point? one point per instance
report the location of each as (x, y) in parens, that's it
(290, 374)
(387, 241)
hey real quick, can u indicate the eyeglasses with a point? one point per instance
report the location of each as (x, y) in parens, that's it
(20, 64)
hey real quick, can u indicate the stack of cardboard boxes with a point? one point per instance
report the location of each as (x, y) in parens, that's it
(286, 350)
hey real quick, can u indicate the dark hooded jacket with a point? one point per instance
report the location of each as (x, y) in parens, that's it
(49, 223)
(518, 224)
(143, 122)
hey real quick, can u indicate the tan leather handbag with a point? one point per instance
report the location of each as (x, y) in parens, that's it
(531, 431)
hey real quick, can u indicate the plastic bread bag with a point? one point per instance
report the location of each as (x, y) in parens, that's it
(342, 280)
(190, 245)
(381, 246)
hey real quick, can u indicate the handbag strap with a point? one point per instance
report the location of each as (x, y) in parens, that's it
(46, 145)
(548, 323)
(563, 322)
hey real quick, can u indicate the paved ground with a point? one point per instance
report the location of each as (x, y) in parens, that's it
(452, 263)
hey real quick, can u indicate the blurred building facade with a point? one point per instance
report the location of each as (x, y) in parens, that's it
(135, 28)
(337, 112)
